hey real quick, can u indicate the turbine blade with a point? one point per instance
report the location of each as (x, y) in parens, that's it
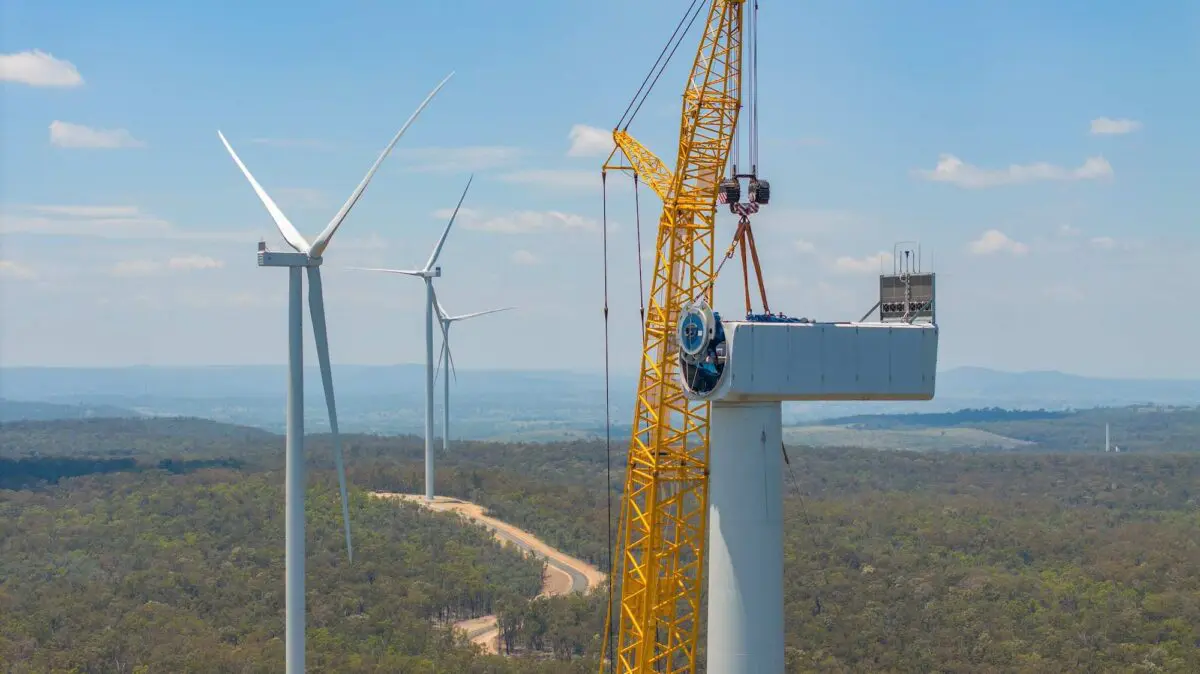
(316, 307)
(464, 317)
(441, 354)
(437, 250)
(406, 272)
(323, 239)
(286, 228)
(444, 325)
(450, 358)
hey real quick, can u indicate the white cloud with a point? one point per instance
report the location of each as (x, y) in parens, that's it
(308, 143)
(803, 246)
(106, 222)
(194, 262)
(951, 169)
(66, 134)
(994, 241)
(16, 270)
(589, 141)
(1063, 292)
(135, 268)
(38, 69)
(1104, 126)
(1105, 242)
(457, 159)
(300, 197)
(558, 179)
(520, 222)
(1068, 230)
(862, 265)
(524, 257)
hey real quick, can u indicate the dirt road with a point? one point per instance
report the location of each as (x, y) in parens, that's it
(564, 574)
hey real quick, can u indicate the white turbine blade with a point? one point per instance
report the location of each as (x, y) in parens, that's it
(464, 317)
(441, 354)
(450, 358)
(316, 307)
(437, 250)
(406, 272)
(445, 326)
(322, 241)
(286, 228)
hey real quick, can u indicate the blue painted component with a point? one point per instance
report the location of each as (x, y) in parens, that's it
(776, 318)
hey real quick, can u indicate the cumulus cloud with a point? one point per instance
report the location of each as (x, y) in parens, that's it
(524, 257)
(862, 265)
(557, 179)
(1104, 242)
(520, 222)
(105, 222)
(803, 246)
(994, 241)
(134, 268)
(306, 143)
(15, 270)
(194, 262)
(38, 69)
(66, 134)
(299, 197)
(589, 141)
(1104, 126)
(951, 169)
(458, 159)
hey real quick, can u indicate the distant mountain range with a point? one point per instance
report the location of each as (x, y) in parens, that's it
(493, 404)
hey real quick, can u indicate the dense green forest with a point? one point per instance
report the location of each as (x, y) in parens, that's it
(895, 561)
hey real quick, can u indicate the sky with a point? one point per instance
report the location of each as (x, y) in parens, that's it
(1043, 154)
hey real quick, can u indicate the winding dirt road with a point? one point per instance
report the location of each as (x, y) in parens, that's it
(564, 574)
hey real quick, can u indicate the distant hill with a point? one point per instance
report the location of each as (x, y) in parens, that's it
(1139, 428)
(14, 410)
(502, 404)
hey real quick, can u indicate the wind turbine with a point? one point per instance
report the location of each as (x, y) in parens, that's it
(446, 321)
(307, 257)
(428, 273)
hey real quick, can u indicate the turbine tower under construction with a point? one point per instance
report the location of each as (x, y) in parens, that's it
(697, 369)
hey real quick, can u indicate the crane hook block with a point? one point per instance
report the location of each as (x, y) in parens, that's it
(760, 192)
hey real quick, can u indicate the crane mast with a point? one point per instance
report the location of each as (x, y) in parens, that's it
(664, 510)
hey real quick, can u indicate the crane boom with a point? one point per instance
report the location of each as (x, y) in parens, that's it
(664, 514)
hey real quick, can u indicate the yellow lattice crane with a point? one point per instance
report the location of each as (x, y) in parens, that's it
(659, 552)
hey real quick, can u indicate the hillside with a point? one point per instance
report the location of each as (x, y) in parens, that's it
(1132, 429)
(895, 561)
(510, 405)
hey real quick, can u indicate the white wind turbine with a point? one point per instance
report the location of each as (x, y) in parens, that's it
(428, 273)
(307, 257)
(446, 321)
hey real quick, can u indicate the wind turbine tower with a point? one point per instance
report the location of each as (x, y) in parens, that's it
(307, 257)
(446, 356)
(746, 369)
(428, 273)
(1106, 445)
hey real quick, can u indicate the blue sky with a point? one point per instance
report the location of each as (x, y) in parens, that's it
(1043, 153)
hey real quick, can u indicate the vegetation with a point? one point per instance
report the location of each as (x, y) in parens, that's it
(894, 561)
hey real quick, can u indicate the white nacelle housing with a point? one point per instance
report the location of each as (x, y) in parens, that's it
(777, 361)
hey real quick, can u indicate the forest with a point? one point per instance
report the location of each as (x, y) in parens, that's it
(894, 561)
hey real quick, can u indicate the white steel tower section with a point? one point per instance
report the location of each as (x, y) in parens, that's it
(746, 369)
